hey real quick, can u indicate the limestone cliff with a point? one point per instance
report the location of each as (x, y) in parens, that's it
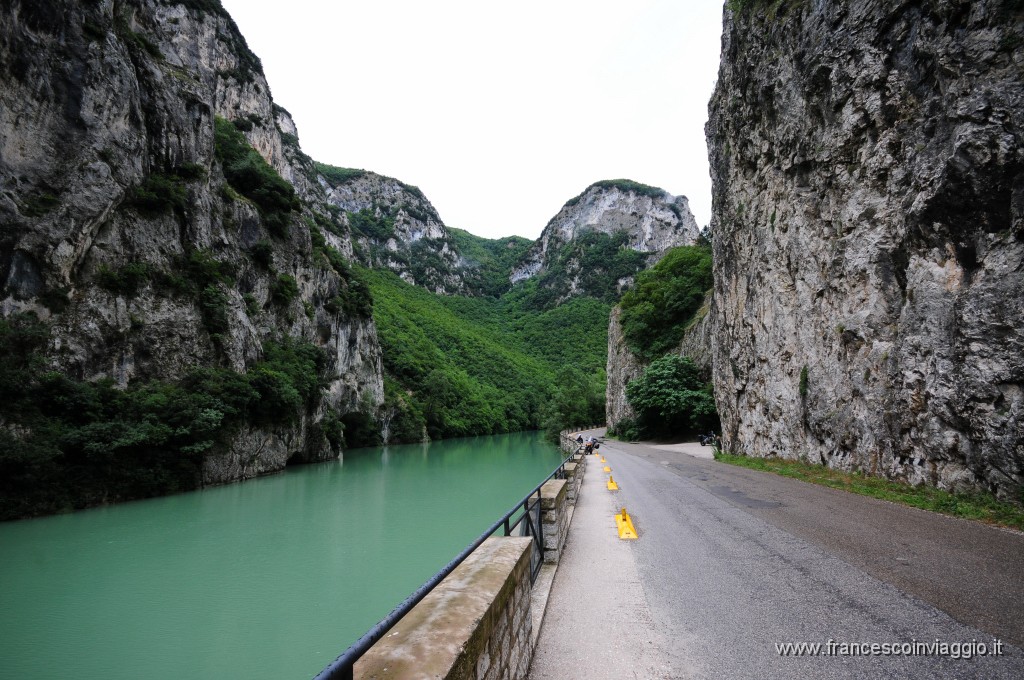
(868, 225)
(624, 365)
(146, 249)
(609, 218)
(394, 226)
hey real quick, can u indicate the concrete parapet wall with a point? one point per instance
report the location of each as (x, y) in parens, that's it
(571, 472)
(475, 625)
(574, 476)
(554, 517)
(567, 442)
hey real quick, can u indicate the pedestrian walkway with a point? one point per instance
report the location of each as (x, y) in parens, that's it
(597, 624)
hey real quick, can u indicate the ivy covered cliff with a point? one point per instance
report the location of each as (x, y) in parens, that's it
(659, 350)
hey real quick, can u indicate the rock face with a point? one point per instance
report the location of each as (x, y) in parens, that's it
(648, 219)
(623, 365)
(108, 166)
(868, 228)
(697, 342)
(394, 226)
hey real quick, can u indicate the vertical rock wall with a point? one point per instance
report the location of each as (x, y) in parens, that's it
(107, 161)
(624, 366)
(868, 175)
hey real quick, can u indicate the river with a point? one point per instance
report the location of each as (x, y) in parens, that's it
(271, 578)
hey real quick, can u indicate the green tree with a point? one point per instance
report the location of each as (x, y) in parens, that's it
(670, 398)
(252, 177)
(576, 399)
(657, 311)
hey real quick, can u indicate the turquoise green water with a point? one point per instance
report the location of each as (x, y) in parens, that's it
(271, 578)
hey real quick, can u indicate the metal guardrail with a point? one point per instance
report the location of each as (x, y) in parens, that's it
(528, 523)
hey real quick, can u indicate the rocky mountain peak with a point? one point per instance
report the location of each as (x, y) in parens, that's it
(394, 226)
(625, 225)
(652, 220)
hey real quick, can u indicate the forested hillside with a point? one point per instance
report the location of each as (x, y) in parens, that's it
(460, 365)
(489, 261)
(476, 340)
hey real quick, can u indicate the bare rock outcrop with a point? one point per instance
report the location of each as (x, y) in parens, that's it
(394, 226)
(623, 366)
(868, 226)
(646, 219)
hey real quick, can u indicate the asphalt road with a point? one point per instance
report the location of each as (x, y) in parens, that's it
(731, 562)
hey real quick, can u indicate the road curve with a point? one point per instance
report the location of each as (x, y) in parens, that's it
(731, 562)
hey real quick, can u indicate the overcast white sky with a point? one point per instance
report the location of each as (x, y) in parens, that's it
(499, 112)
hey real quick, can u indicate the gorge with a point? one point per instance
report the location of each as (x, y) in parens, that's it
(188, 299)
(186, 295)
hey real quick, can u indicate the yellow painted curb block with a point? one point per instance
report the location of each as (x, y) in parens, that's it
(612, 486)
(625, 524)
(607, 469)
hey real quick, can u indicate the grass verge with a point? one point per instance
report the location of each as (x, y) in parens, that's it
(977, 506)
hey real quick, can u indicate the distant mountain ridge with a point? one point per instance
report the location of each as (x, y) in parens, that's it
(593, 247)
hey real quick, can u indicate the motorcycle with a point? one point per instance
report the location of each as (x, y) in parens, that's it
(710, 439)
